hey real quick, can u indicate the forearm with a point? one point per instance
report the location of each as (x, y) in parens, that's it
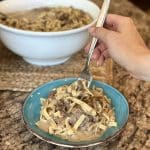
(142, 65)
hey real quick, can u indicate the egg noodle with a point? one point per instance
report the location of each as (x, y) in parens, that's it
(76, 113)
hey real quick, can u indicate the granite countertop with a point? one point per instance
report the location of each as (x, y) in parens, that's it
(136, 135)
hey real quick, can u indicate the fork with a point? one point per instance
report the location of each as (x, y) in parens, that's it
(86, 74)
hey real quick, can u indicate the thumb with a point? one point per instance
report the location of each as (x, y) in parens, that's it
(101, 33)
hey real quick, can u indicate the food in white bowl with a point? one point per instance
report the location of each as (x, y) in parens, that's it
(77, 113)
(47, 19)
(46, 48)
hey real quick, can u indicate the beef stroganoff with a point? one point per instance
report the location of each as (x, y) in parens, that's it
(47, 19)
(76, 113)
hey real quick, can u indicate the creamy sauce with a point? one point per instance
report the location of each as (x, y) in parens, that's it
(83, 136)
(32, 14)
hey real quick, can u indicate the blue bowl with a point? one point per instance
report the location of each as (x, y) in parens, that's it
(32, 106)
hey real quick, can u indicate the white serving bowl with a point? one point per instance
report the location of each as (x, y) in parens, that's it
(46, 48)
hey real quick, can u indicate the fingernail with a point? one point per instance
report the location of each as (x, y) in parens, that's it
(99, 63)
(94, 57)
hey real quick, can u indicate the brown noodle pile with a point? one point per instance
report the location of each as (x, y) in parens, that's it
(47, 19)
(76, 113)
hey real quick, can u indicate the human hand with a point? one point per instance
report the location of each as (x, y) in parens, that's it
(119, 40)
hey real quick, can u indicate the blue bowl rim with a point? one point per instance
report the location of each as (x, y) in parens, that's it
(100, 142)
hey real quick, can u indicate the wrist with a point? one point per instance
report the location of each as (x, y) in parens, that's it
(141, 64)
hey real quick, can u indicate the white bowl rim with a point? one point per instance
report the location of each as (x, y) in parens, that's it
(56, 33)
(37, 33)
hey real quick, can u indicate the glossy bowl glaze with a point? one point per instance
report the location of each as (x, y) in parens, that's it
(32, 106)
(46, 48)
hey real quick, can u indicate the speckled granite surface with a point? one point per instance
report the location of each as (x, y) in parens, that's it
(136, 135)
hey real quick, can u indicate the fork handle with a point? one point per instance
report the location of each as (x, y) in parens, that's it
(100, 23)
